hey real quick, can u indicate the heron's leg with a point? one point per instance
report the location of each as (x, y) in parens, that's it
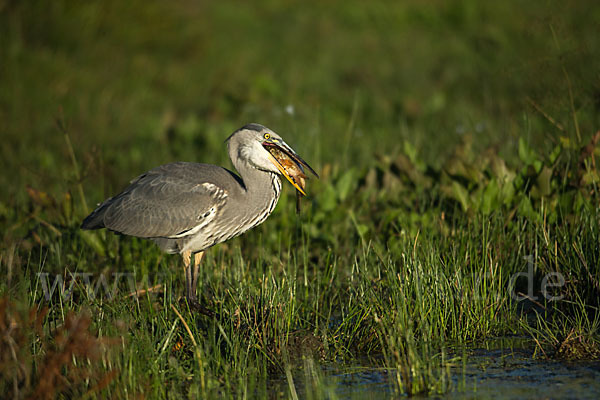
(191, 279)
(187, 263)
(197, 259)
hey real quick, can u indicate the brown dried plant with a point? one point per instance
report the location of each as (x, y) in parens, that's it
(37, 364)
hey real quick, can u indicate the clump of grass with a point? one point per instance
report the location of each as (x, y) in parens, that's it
(577, 345)
(567, 336)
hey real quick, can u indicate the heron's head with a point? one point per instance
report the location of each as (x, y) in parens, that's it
(250, 144)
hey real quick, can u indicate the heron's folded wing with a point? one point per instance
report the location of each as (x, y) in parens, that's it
(163, 204)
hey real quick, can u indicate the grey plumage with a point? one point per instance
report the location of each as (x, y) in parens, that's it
(189, 207)
(167, 202)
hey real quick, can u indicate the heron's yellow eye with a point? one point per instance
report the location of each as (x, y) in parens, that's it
(267, 136)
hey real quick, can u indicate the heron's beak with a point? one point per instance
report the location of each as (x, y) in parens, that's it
(279, 153)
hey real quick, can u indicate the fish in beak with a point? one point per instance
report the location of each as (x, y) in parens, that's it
(290, 164)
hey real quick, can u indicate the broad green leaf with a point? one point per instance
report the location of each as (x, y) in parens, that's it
(543, 182)
(526, 154)
(461, 194)
(410, 151)
(554, 155)
(346, 184)
(526, 209)
(489, 199)
(328, 199)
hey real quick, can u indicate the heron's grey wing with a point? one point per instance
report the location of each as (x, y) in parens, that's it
(172, 200)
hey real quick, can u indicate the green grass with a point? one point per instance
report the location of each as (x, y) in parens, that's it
(456, 147)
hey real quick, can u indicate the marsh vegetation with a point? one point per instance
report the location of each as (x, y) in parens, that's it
(457, 144)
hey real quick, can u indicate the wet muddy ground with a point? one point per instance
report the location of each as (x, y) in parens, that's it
(502, 368)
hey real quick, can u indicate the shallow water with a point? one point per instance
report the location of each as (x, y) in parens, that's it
(512, 373)
(497, 369)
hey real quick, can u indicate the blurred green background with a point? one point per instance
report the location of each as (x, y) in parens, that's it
(454, 139)
(141, 83)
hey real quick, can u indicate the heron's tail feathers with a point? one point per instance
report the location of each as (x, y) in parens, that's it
(96, 219)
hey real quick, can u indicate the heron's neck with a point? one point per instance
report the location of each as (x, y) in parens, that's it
(262, 189)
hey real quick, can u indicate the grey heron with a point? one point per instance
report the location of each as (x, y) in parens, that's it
(188, 207)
